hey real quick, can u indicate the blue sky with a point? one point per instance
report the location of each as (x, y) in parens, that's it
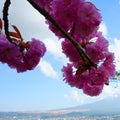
(44, 88)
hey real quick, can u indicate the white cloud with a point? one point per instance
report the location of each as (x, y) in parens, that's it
(103, 29)
(115, 47)
(54, 47)
(47, 69)
(112, 90)
(75, 96)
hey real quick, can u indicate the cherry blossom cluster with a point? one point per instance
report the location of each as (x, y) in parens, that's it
(83, 75)
(19, 54)
(81, 19)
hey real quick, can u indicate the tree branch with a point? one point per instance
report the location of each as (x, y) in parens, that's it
(66, 34)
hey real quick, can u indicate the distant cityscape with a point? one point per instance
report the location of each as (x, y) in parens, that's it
(37, 116)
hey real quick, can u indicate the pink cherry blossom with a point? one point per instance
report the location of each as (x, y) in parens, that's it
(91, 81)
(109, 63)
(70, 51)
(21, 60)
(8, 51)
(64, 12)
(92, 89)
(34, 53)
(78, 14)
(88, 20)
(99, 75)
(68, 75)
(93, 78)
(97, 50)
(80, 19)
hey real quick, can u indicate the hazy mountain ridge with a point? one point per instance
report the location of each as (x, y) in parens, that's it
(107, 106)
(102, 104)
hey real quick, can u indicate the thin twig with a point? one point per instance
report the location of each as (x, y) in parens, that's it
(5, 19)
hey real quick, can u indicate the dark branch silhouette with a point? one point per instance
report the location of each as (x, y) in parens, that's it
(66, 34)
